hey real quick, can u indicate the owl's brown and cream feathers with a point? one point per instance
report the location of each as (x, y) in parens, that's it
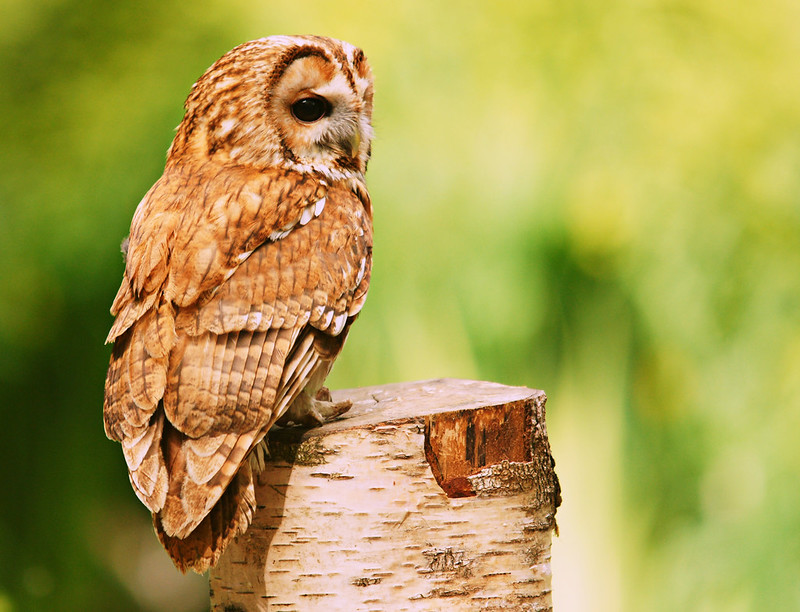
(246, 264)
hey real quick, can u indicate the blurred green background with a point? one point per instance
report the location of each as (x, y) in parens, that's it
(599, 199)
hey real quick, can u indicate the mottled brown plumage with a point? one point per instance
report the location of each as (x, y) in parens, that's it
(246, 264)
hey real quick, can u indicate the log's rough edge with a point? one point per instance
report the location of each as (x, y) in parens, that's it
(385, 404)
(385, 407)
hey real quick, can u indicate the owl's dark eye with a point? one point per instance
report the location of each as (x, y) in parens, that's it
(311, 109)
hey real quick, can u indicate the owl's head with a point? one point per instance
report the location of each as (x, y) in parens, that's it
(302, 102)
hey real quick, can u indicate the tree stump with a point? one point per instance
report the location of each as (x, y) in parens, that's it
(429, 495)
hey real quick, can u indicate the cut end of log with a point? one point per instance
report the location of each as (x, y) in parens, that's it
(427, 494)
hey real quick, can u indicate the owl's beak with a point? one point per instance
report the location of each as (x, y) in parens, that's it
(354, 143)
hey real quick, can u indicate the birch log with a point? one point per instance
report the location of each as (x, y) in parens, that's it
(430, 495)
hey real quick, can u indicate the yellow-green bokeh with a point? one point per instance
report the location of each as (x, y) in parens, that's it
(599, 199)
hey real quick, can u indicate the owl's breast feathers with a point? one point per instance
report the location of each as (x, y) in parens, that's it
(239, 286)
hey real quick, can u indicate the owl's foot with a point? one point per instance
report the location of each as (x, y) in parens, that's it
(314, 411)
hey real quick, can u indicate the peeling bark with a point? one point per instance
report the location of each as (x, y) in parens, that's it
(424, 496)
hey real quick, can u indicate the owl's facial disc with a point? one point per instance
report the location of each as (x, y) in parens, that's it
(320, 113)
(324, 127)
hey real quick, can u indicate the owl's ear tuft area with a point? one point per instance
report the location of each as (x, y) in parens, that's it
(317, 103)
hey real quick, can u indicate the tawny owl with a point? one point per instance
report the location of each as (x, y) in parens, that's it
(246, 264)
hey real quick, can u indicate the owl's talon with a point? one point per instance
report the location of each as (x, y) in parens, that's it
(333, 410)
(311, 412)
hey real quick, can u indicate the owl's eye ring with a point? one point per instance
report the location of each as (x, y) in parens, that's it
(311, 109)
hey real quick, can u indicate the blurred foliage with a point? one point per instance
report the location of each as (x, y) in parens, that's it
(598, 199)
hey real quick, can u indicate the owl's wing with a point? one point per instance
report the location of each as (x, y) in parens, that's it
(190, 232)
(197, 224)
(224, 357)
(312, 280)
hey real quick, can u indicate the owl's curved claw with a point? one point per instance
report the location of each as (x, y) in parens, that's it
(310, 411)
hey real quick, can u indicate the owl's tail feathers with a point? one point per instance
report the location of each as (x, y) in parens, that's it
(230, 516)
(146, 468)
(131, 415)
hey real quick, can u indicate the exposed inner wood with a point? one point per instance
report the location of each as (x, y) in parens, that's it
(458, 445)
